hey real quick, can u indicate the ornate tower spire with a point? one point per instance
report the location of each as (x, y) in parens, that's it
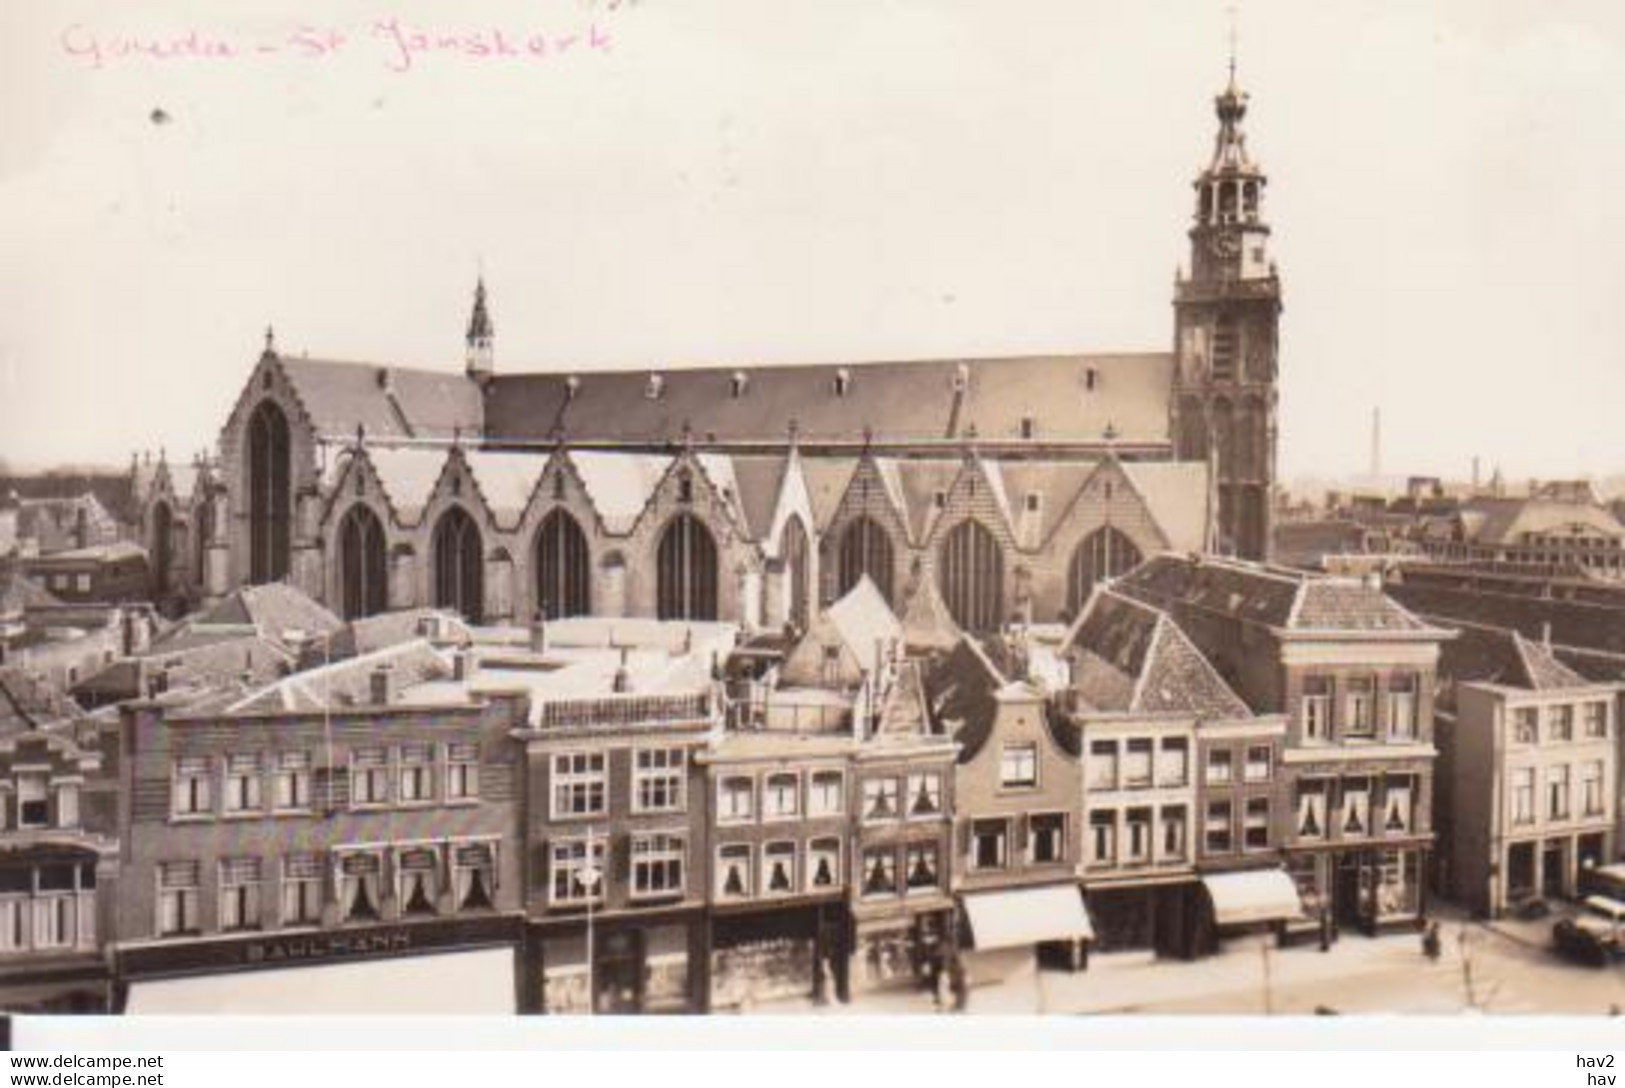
(1227, 314)
(479, 356)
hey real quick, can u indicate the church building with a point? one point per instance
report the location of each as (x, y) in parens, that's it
(758, 494)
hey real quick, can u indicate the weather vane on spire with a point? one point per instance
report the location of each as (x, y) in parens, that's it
(1231, 11)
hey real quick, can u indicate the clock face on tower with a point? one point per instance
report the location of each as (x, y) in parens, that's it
(1225, 246)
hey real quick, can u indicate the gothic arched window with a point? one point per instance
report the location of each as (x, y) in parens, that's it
(270, 495)
(1104, 553)
(163, 549)
(202, 537)
(563, 575)
(793, 550)
(459, 566)
(363, 564)
(686, 571)
(865, 549)
(970, 573)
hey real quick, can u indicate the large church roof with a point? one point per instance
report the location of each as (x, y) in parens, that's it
(1048, 398)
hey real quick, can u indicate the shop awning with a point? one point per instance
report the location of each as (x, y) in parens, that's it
(1262, 895)
(1027, 916)
(447, 983)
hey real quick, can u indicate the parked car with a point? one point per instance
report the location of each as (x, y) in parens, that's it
(1596, 935)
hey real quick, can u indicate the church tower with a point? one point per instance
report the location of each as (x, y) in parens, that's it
(479, 354)
(1226, 319)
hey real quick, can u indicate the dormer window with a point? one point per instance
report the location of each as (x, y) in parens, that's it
(961, 378)
(738, 383)
(843, 382)
(572, 386)
(33, 808)
(657, 385)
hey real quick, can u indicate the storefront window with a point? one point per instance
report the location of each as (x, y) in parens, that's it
(1399, 892)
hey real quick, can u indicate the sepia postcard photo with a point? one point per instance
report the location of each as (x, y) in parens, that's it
(581, 507)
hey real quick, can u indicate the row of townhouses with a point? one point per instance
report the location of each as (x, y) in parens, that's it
(643, 815)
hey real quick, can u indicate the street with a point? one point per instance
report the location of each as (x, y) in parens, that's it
(1507, 970)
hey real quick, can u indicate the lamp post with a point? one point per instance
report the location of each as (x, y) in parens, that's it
(589, 876)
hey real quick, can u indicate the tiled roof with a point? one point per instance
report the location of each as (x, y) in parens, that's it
(1498, 656)
(272, 610)
(1507, 520)
(1583, 625)
(347, 683)
(1130, 657)
(1337, 604)
(389, 402)
(1272, 596)
(907, 401)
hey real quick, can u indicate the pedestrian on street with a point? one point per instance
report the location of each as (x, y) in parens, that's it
(1431, 944)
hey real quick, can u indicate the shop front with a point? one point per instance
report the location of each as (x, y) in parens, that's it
(1160, 916)
(637, 964)
(1252, 901)
(428, 969)
(903, 950)
(1368, 889)
(770, 952)
(1012, 932)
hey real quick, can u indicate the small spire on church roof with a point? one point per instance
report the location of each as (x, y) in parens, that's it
(479, 321)
(270, 341)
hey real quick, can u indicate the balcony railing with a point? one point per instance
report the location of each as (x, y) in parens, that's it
(625, 710)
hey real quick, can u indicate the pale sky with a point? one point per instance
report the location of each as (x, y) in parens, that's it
(737, 181)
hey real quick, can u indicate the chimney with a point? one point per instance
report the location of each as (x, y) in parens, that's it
(623, 678)
(538, 633)
(383, 685)
(462, 666)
